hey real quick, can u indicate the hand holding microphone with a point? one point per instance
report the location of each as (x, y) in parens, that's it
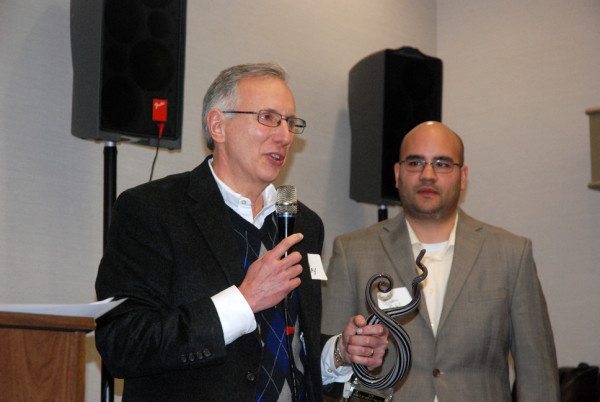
(275, 274)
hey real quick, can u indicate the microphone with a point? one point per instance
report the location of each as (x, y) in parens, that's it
(286, 208)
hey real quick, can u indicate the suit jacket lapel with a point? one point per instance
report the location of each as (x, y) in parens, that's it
(467, 246)
(210, 214)
(396, 242)
(307, 295)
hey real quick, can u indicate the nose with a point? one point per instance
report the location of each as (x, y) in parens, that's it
(282, 133)
(428, 172)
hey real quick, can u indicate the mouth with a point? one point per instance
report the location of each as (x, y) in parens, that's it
(277, 158)
(427, 191)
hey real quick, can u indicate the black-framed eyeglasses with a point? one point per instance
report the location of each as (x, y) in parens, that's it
(440, 165)
(270, 118)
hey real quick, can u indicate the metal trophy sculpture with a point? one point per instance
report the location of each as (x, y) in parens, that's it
(366, 386)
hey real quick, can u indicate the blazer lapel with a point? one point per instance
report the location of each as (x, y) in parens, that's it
(210, 214)
(396, 242)
(308, 304)
(467, 246)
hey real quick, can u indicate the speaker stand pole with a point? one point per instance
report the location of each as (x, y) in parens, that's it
(107, 382)
(382, 212)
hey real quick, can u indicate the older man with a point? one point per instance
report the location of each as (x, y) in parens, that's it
(197, 258)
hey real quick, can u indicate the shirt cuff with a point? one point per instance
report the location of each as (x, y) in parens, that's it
(235, 314)
(329, 373)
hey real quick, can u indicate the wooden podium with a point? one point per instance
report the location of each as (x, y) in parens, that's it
(42, 357)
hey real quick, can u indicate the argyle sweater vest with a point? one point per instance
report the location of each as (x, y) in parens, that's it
(275, 375)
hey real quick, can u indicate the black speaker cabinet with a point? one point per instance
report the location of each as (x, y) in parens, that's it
(389, 93)
(128, 64)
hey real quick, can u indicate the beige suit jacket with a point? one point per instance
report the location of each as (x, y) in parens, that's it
(493, 305)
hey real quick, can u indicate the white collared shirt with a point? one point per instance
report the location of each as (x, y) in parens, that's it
(438, 260)
(242, 205)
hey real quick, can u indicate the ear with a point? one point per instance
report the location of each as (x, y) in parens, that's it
(464, 173)
(214, 121)
(397, 174)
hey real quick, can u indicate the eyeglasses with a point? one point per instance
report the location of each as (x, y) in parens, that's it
(270, 118)
(417, 165)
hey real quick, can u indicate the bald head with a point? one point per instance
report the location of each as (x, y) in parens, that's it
(430, 195)
(434, 132)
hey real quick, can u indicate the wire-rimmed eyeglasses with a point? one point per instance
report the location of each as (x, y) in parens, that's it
(439, 165)
(270, 118)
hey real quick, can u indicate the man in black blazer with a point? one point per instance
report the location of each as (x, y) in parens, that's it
(196, 256)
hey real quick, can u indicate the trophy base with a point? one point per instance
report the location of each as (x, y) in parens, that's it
(354, 391)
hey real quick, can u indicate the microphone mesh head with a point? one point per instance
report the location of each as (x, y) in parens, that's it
(287, 203)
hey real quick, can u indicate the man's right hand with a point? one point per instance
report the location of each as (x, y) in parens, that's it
(270, 278)
(363, 344)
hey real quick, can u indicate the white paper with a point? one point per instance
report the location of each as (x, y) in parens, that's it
(93, 310)
(316, 267)
(398, 297)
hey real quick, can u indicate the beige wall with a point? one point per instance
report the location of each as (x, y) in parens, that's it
(517, 81)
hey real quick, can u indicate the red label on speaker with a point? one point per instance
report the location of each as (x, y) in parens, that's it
(159, 109)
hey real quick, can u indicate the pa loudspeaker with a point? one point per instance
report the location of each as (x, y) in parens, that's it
(128, 64)
(389, 93)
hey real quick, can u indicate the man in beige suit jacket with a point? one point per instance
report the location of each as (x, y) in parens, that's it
(482, 299)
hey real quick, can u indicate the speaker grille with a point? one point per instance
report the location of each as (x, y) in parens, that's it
(141, 51)
(128, 59)
(389, 92)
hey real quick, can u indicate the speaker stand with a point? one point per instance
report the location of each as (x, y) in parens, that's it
(382, 212)
(107, 382)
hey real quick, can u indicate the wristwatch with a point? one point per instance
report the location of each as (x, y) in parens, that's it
(337, 356)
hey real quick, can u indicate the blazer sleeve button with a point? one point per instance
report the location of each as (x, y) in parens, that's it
(183, 358)
(436, 372)
(250, 376)
(206, 352)
(191, 357)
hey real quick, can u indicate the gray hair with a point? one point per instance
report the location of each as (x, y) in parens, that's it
(223, 92)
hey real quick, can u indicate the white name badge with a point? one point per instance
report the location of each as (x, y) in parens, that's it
(398, 297)
(316, 267)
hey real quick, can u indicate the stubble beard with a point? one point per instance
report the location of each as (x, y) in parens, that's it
(442, 211)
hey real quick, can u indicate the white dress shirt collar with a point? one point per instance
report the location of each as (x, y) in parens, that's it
(414, 240)
(242, 205)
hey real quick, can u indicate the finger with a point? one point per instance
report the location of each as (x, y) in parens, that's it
(280, 249)
(371, 361)
(293, 272)
(275, 263)
(376, 329)
(290, 260)
(364, 351)
(362, 344)
(294, 283)
(359, 321)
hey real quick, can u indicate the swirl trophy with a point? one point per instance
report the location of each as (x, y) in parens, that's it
(364, 386)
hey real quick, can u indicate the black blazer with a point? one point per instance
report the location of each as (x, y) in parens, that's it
(170, 248)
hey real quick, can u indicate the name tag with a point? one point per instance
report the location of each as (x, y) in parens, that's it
(398, 297)
(316, 267)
